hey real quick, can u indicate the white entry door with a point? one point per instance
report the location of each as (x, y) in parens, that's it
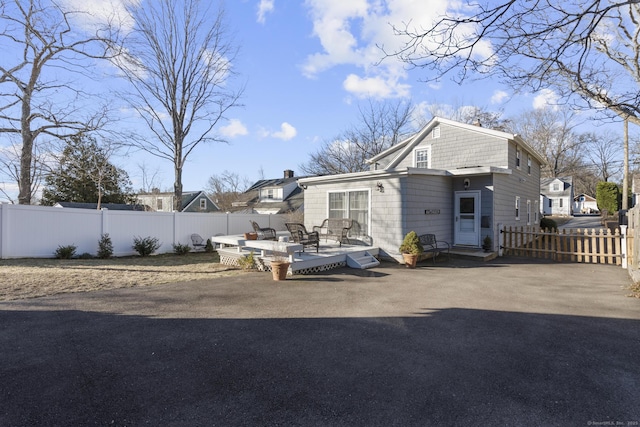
(467, 218)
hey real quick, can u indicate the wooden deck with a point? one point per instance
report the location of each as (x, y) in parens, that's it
(330, 255)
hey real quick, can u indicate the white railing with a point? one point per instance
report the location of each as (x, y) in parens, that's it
(37, 231)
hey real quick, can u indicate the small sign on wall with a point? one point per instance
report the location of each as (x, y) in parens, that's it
(432, 211)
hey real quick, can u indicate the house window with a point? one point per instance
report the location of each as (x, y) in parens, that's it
(555, 186)
(560, 202)
(518, 155)
(528, 164)
(517, 207)
(550, 203)
(528, 212)
(536, 212)
(436, 132)
(159, 204)
(270, 193)
(203, 204)
(422, 157)
(353, 205)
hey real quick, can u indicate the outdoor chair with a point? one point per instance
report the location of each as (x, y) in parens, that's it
(299, 234)
(198, 242)
(264, 233)
(335, 228)
(430, 244)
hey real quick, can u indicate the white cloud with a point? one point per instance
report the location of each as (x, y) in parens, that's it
(375, 87)
(95, 13)
(265, 7)
(546, 98)
(233, 129)
(351, 33)
(499, 96)
(286, 132)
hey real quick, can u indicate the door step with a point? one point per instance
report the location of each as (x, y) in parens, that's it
(362, 261)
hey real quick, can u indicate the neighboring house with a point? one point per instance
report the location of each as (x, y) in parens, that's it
(635, 190)
(458, 181)
(272, 196)
(192, 201)
(94, 206)
(556, 196)
(584, 204)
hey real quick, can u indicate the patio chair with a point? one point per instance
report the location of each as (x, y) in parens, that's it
(198, 242)
(264, 233)
(431, 244)
(299, 234)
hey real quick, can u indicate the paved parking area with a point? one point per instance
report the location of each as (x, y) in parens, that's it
(506, 342)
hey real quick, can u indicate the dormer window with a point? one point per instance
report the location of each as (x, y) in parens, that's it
(269, 194)
(555, 186)
(203, 204)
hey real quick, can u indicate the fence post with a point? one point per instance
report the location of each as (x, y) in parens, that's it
(4, 230)
(104, 229)
(623, 243)
(504, 238)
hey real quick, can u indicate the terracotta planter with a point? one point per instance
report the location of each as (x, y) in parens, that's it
(410, 260)
(250, 236)
(279, 269)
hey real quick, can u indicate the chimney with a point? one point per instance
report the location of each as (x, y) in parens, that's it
(288, 173)
(477, 123)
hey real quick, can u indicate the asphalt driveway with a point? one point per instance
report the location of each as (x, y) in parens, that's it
(461, 343)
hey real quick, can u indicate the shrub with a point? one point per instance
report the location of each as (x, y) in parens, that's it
(247, 262)
(146, 246)
(411, 244)
(65, 252)
(105, 246)
(85, 255)
(209, 246)
(607, 196)
(548, 224)
(181, 249)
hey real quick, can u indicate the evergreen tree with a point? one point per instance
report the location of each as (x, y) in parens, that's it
(85, 175)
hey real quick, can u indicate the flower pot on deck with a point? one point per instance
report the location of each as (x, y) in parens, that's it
(250, 236)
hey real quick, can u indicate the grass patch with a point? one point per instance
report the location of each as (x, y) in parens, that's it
(29, 278)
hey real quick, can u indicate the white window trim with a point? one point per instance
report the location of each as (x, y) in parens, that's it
(518, 158)
(349, 190)
(528, 164)
(528, 212)
(517, 208)
(435, 133)
(415, 156)
(203, 203)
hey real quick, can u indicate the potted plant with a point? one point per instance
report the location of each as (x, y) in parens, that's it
(411, 249)
(487, 244)
(279, 263)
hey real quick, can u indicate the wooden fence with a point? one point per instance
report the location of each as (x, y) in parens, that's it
(570, 245)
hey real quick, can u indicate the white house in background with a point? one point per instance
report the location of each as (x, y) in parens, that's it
(458, 181)
(272, 196)
(556, 196)
(192, 201)
(584, 204)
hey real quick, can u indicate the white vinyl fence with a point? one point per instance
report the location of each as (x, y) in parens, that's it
(37, 231)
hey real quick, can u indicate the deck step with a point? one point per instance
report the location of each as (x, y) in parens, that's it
(362, 261)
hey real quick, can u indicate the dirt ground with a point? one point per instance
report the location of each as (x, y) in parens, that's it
(29, 278)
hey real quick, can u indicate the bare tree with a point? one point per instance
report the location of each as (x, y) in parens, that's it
(10, 167)
(178, 60)
(551, 132)
(471, 115)
(603, 152)
(40, 45)
(381, 125)
(226, 188)
(589, 49)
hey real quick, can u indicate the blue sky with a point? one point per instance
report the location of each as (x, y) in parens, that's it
(306, 66)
